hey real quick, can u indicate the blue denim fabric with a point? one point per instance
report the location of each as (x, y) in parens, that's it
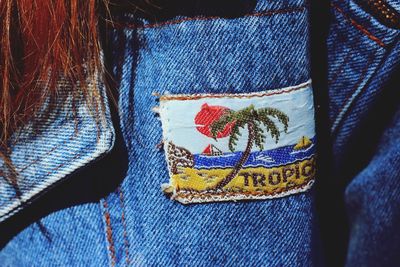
(209, 56)
(68, 139)
(352, 87)
(363, 54)
(267, 48)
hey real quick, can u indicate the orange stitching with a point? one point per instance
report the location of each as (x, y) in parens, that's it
(56, 168)
(200, 96)
(126, 243)
(62, 164)
(359, 27)
(110, 240)
(202, 18)
(47, 153)
(51, 150)
(232, 194)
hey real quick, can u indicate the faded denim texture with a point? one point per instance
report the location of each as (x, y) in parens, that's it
(348, 218)
(68, 139)
(209, 56)
(363, 59)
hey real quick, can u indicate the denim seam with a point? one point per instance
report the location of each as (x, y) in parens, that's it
(203, 18)
(48, 152)
(23, 199)
(350, 99)
(18, 204)
(358, 26)
(125, 234)
(109, 234)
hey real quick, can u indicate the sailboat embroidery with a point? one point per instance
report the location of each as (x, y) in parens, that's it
(303, 143)
(212, 151)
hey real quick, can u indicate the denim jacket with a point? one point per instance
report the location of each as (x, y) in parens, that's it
(129, 190)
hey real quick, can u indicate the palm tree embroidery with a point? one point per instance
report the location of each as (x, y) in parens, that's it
(254, 119)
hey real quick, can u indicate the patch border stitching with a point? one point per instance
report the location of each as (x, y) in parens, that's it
(202, 197)
(191, 197)
(183, 97)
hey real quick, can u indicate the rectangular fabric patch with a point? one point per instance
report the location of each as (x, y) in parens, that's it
(222, 147)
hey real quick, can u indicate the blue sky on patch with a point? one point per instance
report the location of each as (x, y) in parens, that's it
(178, 124)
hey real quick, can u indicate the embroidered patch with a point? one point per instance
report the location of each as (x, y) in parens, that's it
(222, 147)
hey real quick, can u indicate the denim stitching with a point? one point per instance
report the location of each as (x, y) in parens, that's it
(350, 99)
(52, 149)
(12, 210)
(199, 96)
(48, 152)
(194, 197)
(74, 162)
(205, 196)
(56, 168)
(359, 26)
(125, 235)
(202, 18)
(109, 233)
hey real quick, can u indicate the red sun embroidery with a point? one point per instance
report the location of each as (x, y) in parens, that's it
(209, 114)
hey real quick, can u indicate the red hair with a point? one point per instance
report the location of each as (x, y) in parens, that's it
(42, 41)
